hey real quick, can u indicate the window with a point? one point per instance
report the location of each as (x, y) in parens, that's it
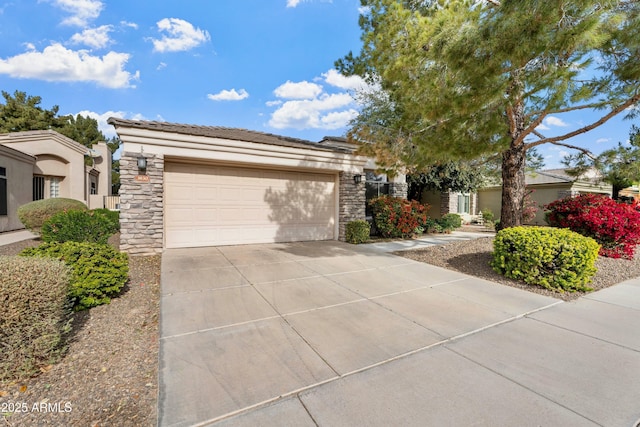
(464, 203)
(38, 187)
(375, 186)
(4, 197)
(54, 187)
(94, 190)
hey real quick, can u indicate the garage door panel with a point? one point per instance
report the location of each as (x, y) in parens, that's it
(222, 205)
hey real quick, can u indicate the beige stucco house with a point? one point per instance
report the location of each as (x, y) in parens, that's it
(43, 164)
(189, 186)
(546, 186)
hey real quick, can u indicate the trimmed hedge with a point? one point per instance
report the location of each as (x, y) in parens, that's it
(550, 257)
(357, 231)
(34, 214)
(99, 271)
(396, 217)
(34, 314)
(78, 226)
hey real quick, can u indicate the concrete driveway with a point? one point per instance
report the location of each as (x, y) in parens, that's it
(330, 334)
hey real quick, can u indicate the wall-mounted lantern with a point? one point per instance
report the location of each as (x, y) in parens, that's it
(357, 179)
(142, 162)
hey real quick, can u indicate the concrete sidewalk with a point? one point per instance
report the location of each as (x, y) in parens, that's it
(425, 241)
(9, 237)
(326, 333)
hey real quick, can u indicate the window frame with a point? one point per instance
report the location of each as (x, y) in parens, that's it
(4, 192)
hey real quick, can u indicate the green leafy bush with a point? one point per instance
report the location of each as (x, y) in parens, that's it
(357, 231)
(450, 222)
(112, 216)
(34, 314)
(34, 214)
(488, 215)
(550, 257)
(396, 217)
(78, 226)
(99, 271)
(432, 226)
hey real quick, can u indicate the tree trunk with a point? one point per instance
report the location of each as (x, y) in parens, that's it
(513, 186)
(615, 191)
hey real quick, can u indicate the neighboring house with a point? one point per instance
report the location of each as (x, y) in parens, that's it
(546, 186)
(44, 164)
(631, 192)
(189, 186)
(442, 203)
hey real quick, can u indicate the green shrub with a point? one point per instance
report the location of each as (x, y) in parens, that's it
(432, 226)
(488, 215)
(357, 231)
(78, 226)
(112, 216)
(34, 314)
(550, 257)
(34, 214)
(99, 271)
(450, 222)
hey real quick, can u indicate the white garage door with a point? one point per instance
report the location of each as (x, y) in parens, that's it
(223, 205)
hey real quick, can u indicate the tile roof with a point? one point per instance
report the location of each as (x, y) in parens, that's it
(236, 134)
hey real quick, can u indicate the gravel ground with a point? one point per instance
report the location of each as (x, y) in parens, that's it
(108, 376)
(472, 257)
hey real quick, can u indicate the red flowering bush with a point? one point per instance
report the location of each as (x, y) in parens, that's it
(396, 217)
(616, 226)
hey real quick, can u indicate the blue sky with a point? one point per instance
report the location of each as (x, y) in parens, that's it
(265, 65)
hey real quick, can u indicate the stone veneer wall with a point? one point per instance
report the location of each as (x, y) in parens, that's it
(398, 189)
(448, 203)
(351, 200)
(141, 210)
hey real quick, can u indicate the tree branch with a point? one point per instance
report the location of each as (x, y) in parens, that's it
(556, 139)
(494, 2)
(568, 109)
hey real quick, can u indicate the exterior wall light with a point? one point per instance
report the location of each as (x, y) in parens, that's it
(142, 162)
(357, 178)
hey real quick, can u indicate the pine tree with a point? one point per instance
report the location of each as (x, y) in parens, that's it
(466, 79)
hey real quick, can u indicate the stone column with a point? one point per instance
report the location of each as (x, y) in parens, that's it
(141, 211)
(351, 200)
(398, 186)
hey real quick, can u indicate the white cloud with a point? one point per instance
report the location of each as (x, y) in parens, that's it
(108, 130)
(334, 78)
(601, 140)
(314, 113)
(300, 90)
(182, 35)
(96, 38)
(273, 103)
(229, 95)
(549, 122)
(338, 119)
(292, 3)
(82, 11)
(554, 121)
(57, 63)
(129, 24)
(161, 66)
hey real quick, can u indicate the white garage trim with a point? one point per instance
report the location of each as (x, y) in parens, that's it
(218, 204)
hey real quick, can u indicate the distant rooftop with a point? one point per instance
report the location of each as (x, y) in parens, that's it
(235, 134)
